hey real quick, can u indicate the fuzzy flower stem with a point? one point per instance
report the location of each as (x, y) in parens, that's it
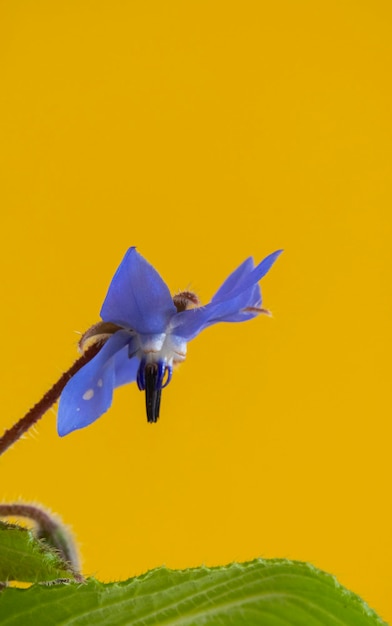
(34, 513)
(38, 410)
(49, 529)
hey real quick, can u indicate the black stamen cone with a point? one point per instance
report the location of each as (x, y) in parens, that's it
(153, 395)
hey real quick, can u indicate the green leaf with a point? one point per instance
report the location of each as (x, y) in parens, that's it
(267, 593)
(24, 558)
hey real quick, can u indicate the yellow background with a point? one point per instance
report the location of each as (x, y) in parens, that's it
(204, 132)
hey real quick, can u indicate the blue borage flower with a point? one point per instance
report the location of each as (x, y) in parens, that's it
(145, 331)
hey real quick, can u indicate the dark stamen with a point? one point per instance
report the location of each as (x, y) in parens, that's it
(153, 395)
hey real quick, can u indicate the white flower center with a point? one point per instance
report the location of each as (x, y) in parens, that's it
(165, 347)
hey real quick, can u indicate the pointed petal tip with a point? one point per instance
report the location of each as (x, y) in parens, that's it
(275, 254)
(138, 297)
(63, 429)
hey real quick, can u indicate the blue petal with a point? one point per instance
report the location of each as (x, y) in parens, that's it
(137, 297)
(254, 300)
(258, 273)
(88, 394)
(230, 305)
(188, 324)
(125, 369)
(234, 280)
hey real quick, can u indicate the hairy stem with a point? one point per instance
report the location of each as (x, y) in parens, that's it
(38, 515)
(49, 529)
(38, 410)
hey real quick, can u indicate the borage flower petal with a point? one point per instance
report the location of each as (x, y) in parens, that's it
(125, 368)
(233, 281)
(137, 297)
(89, 393)
(150, 334)
(233, 302)
(250, 278)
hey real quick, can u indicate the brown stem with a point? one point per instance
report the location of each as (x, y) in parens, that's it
(34, 513)
(38, 410)
(49, 529)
